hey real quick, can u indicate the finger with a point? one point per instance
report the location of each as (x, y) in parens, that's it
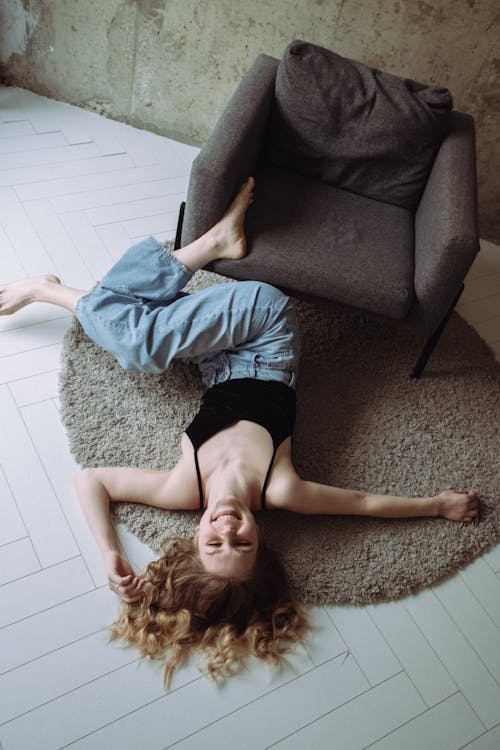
(125, 581)
(114, 586)
(119, 580)
(118, 583)
(127, 595)
(131, 595)
(132, 587)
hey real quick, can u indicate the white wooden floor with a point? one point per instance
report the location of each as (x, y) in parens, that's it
(76, 190)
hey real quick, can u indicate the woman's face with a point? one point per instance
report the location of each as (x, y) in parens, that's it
(228, 539)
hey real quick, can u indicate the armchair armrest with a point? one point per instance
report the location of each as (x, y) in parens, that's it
(231, 153)
(446, 225)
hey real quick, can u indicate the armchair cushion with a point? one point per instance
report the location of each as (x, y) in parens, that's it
(310, 238)
(355, 127)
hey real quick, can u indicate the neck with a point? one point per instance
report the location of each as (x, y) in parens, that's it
(229, 484)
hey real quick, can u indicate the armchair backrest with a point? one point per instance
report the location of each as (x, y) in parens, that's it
(355, 127)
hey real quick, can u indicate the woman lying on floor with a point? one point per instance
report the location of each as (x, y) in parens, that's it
(223, 590)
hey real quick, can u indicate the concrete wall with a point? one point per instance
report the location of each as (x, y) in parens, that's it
(171, 65)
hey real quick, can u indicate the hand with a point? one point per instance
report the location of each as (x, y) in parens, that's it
(458, 505)
(122, 579)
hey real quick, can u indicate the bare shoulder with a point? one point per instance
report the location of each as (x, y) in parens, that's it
(182, 484)
(284, 482)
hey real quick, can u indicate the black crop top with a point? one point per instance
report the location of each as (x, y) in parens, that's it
(267, 402)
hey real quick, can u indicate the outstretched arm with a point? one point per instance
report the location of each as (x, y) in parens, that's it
(96, 489)
(312, 498)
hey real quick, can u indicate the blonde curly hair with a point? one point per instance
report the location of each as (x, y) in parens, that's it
(185, 607)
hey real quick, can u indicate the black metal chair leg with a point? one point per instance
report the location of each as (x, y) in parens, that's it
(432, 341)
(180, 222)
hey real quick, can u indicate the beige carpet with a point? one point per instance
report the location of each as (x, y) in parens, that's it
(362, 423)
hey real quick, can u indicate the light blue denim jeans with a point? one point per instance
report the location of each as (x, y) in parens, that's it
(138, 313)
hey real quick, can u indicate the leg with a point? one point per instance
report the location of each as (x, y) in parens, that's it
(20, 293)
(203, 327)
(431, 343)
(226, 239)
(180, 223)
(136, 315)
(151, 274)
(129, 275)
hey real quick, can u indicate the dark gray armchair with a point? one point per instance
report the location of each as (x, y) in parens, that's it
(365, 188)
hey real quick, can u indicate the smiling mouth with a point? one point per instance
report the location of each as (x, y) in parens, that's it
(230, 514)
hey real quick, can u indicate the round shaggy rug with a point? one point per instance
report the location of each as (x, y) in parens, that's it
(361, 423)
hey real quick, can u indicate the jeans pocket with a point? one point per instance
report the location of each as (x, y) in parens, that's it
(214, 369)
(280, 360)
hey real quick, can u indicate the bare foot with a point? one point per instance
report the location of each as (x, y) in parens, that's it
(229, 232)
(18, 294)
(458, 505)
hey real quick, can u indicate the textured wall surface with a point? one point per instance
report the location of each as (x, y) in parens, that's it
(171, 65)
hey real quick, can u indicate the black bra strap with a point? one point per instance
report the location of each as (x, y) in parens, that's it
(264, 486)
(266, 480)
(198, 474)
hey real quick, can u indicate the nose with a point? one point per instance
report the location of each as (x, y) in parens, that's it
(228, 529)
